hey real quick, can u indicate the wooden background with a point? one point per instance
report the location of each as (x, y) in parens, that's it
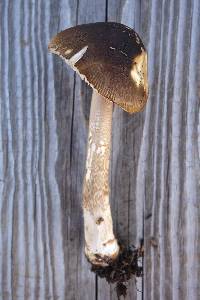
(155, 170)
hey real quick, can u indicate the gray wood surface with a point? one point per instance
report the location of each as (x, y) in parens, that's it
(155, 174)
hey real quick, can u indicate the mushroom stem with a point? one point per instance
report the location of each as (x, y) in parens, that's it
(101, 247)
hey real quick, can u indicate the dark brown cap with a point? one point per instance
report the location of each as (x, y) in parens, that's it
(110, 57)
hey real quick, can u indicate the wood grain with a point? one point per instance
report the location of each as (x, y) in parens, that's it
(155, 174)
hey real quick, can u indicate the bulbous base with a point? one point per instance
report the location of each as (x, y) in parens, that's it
(108, 254)
(122, 269)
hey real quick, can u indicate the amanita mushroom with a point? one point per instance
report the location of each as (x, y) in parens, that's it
(112, 59)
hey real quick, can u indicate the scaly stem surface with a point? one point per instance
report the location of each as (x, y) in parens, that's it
(100, 243)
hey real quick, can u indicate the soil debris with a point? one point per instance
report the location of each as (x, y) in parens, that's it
(121, 270)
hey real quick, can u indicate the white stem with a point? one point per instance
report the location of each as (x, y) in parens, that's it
(100, 243)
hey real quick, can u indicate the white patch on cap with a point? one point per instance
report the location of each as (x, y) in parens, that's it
(83, 77)
(123, 53)
(138, 70)
(68, 51)
(76, 57)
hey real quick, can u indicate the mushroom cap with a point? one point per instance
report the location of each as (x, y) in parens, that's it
(110, 57)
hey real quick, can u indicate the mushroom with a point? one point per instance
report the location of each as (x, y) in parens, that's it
(112, 59)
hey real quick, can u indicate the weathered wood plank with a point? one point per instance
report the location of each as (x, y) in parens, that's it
(168, 196)
(155, 163)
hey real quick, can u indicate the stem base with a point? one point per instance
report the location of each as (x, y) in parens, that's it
(121, 270)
